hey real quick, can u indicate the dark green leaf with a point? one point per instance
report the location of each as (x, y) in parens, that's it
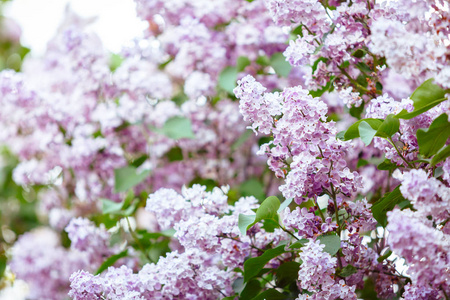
(366, 132)
(363, 67)
(287, 273)
(280, 65)
(441, 155)
(111, 260)
(241, 63)
(389, 127)
(271, 294)
(2, 265)
(384, 256)
(270, 225)
(387, 165)
(359, 53)
(344, 65)
(356, 111)
(298, 244)
(347, 271)
(228, 78)
(353, 131)
(268, 209)
(127, 177)
(298, 30)
(316, 63)
(426, 96)
(362, 163)
(332, 243)
(434, 138)
(385, 204)
(175, 154)
(210, 184)
(253, 266)
(379, 86)
(263, 61)
(251, 289)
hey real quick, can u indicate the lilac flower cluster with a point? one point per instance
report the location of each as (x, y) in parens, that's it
(211, 247)
(316, 275)
(300, 133)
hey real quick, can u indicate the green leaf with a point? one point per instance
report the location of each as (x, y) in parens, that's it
(110, 207)
(127, 177)
(178, 128)
(425, 97)
(235, 295)
(175, 154)
(387, 165)
(268, 209)
(253, 266)
(263, 61)
(341, 135)
(359, 53)
(3, 260)
(366, 132)
(332, 243)
(384, 256)
(284, 205)
(353, 131)
(241, 63)
(362, 163)
(287, 273)
(228, 78)
(270, 225)
(434, 138)
(347, 271)
(252, 187)
(111, 260)
(245, 221)
(385, 204)
(280, 65)
(271, 294)
(389, 127)
(115, 61)
(299, 244)
(356, 111)
(440, 156)
(251, 289)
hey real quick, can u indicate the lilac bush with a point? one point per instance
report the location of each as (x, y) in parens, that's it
(244, 149)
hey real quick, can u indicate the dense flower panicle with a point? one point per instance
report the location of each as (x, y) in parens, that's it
(306, 222)
(424, 248)
(413, 292)
(73, 120)
(85, 237)
(302, 134)
(311, 13)
(316, 274)
(178, 276)
(427, 194)
(46, 266)
(208, 243)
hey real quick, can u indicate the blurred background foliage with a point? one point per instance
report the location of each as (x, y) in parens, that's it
(17, 204)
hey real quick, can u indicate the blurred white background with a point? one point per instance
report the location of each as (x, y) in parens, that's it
(116, 20)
